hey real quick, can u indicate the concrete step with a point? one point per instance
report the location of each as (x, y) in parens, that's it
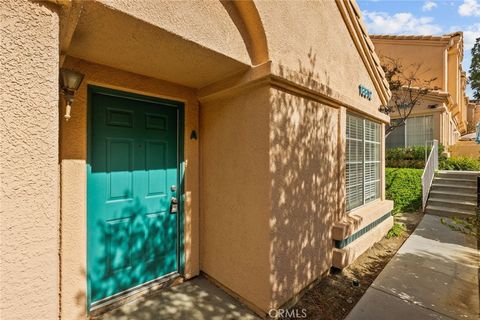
(454, 188)
(454, 181)
(446, 212)
(466, 175)
(452, 204)
(452, 194)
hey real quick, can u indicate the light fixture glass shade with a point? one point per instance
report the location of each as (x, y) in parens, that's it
(69, 79)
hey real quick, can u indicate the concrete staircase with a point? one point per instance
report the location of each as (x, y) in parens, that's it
(453, 193)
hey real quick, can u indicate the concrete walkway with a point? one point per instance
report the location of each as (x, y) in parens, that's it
(196, 299)
(434, 275)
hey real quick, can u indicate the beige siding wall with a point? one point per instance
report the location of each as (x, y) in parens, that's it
(304, 167)
(235, 193)
(29, 175)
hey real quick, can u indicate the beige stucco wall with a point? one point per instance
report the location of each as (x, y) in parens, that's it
(197, 41)
(304, 168)
(439, 59)
(476, 116)
(204, 22)
(343, 257)
(443, 126)
(443, 123)
(318, 52)
(296, 209)
(430, 54)
(235, 193)
(73, 251)
(29, 181)
(456, 83)
(465, 149)
(73, 140)
(473, 116)
(254, 239)
(305, 158)
(243, 238)
(453, 77)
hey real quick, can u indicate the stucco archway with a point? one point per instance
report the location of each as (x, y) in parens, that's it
(247, 19)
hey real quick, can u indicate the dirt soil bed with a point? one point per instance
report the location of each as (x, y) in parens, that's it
(335, 295)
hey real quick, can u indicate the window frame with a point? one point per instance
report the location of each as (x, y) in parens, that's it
(377, 149)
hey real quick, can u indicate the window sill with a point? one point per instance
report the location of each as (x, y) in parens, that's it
(360, 217)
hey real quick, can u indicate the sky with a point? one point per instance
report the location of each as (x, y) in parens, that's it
(427, 17)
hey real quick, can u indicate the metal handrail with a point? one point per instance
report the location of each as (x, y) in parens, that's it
(431, 165)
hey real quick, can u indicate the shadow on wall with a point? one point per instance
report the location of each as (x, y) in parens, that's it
(307, 76)
(305, 182)
(304, 170)
(81, 299)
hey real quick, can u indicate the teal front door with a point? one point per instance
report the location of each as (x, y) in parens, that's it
(132, 183)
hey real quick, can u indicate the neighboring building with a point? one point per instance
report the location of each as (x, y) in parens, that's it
(473, 115)
(442, 113)
(476, 115)
(260, 117)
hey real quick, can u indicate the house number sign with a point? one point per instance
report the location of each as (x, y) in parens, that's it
(364, 92)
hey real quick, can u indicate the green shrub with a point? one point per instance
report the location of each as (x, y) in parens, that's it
(396, 231)
(404, 187)
(410, 153)
(460, 163)
(402, 163)
(410, 157)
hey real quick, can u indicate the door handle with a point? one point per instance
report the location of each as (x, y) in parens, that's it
(173, 205)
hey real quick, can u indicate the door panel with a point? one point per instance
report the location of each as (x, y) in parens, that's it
(133, 164)
(119, 168)
(156, 159)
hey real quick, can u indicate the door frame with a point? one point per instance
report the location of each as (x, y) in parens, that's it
(180, 106)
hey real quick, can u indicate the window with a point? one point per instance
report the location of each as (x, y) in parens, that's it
(363, 161)
(415, 132)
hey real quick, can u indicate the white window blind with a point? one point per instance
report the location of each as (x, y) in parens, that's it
(415, 132)
(363, 161)
(419, 130)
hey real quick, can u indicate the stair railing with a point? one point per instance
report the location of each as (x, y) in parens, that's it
(431, 165)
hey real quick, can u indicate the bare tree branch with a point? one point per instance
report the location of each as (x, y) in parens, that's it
(408, 87)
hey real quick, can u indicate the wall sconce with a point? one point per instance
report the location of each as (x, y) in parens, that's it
(70, 81)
